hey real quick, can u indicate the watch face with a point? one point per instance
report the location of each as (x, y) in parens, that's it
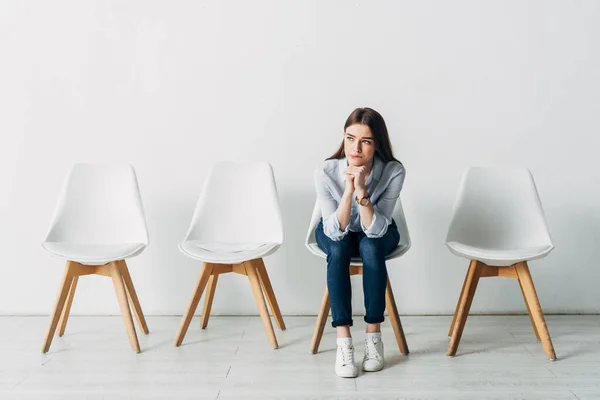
(364, 201)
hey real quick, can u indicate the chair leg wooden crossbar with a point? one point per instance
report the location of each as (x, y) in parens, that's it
(390, 305)
(126, 295)
(261, 287)
(519, 271)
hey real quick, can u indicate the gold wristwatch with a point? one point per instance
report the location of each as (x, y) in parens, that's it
(364, 201)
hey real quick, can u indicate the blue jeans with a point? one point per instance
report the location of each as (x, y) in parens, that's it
(373, 252)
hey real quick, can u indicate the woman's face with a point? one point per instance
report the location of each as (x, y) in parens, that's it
(359, 145)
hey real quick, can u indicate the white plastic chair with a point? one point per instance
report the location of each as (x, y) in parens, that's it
(236, 223)
(356, 269)
(98, 222)
(498, 223)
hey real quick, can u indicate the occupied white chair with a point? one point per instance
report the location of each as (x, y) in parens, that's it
(237, 222)
(98, 223)
(498, 223)
(357, 269)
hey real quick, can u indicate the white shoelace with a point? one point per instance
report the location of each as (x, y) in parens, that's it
(347, 354)
(371, 350)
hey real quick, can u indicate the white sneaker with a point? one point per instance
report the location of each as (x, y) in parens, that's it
(344, 360)
(373, 360)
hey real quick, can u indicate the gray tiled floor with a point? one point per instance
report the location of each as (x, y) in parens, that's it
(499, 358)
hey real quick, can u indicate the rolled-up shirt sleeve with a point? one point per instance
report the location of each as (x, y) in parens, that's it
(328, 206)
(382, 211)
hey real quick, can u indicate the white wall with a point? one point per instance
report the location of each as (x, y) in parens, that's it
(172, 87)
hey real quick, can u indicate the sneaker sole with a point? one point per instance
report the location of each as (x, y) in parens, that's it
(346, 375)
(372, 370)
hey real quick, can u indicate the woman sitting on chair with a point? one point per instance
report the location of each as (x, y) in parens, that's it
(357, 190)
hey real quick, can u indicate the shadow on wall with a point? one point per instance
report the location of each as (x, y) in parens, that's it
(304, 275)
(575, 231)
(175, 274)
(420, 278)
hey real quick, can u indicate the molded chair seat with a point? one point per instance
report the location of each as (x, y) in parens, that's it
(500, 257)
(94, 254)
(398, 251)
(226, 253)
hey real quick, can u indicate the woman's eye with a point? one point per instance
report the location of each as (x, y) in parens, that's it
(349, 138)
(367, 142)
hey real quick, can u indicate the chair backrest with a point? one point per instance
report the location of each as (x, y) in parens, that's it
(498, 208)
(397, 215)
(99, 204)
(238, 203)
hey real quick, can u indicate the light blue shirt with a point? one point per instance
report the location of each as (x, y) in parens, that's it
(383, 185)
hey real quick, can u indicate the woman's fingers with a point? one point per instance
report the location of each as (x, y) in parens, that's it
(354, 169)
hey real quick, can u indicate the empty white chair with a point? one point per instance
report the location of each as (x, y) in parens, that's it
(237, 222)
(356, 269)
(98, 223)
(498, 223)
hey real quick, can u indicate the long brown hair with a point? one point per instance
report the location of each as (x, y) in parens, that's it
(375, 122)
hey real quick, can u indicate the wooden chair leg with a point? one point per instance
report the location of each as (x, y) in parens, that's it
(535, 309)
(465, 306)
(265, 282)
(208, 300)
(119, 285)
(395, 319)
(260, 302)
(58, 307)
(62, 325)
(132, 296)
(189, 314)
(462, 293)
(537, 335)
(321, 320)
